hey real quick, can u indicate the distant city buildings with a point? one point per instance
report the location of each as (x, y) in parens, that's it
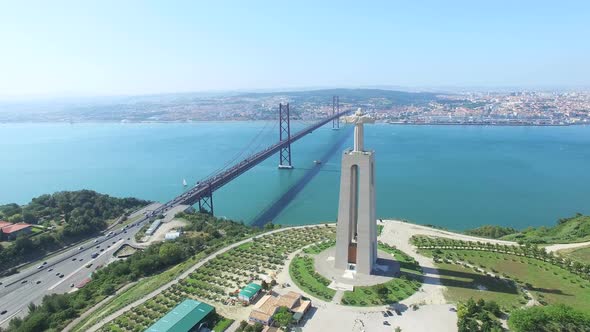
(489, 108)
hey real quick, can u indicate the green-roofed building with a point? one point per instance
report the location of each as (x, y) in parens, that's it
(184, 317)
(249, 292)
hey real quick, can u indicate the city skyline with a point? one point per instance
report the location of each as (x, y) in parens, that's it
(135, 48)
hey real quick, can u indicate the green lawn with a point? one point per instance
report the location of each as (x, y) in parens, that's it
(392, 291)
(222, 325)
(548, 283)
(464, 283)
(303, 273)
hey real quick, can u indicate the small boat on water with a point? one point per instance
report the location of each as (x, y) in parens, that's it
(184, 182)
(317, 162)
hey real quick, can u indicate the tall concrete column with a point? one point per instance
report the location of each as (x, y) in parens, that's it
(356, 233)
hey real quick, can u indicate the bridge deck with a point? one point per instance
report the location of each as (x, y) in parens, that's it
(206, 187)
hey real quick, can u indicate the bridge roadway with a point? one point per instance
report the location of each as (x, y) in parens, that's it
(68, 267)
(206, 187)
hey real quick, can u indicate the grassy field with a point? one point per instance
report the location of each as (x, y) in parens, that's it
(392, 291)
(581, 254)
(222, 325)
(303, 273)
(546, 282)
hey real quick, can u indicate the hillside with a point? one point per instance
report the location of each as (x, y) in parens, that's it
(574, 229)
(67, 216)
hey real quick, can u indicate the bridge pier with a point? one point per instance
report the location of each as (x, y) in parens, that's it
(335, 110)
(206, 203)
(284, 135)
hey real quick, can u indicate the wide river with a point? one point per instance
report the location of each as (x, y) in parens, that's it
(452, 176)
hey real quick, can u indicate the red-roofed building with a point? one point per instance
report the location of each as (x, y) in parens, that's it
(4, 224)
(12, 231)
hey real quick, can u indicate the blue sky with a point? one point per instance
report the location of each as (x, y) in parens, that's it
(138, 47)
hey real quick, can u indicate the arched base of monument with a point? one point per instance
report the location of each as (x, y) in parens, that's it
(385, 269)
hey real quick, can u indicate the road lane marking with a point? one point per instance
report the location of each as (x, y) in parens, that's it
(84, 265)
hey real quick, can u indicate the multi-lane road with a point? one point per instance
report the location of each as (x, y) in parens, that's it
(62, 272)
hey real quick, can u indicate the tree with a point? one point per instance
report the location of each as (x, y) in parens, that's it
(170, 253)
(283, 317)
(552, 318)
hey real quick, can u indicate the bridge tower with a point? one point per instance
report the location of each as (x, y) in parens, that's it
(206, 202)
(284, 136)
(335, 110)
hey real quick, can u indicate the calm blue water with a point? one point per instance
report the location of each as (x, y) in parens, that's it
(452, 176)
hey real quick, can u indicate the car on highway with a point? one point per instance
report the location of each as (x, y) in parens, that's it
(3, 312)
(44, 263)
(94, 255)
(57, 274)
(81, 248)
(23, 282)
(39, 267)
(95, 241)
(88, 265)
(38, 282)
(73, 259)
(51, 269)
(97, 247)
(61, 275)
(101, 250)
(71, 285)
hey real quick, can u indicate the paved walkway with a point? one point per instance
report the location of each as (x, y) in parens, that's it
(557, 247)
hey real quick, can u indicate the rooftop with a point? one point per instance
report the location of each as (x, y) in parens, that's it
(14, 228)
(4, 223)
(183, 317)
(250, 290)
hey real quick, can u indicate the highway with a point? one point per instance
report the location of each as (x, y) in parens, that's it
(33, 283)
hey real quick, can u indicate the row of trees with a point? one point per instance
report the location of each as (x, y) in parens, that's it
(527, 250)
(491, 231)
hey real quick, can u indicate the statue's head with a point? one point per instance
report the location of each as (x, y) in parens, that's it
(358, 112)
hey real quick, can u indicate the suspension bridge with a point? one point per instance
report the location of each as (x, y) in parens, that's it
(202, 192)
